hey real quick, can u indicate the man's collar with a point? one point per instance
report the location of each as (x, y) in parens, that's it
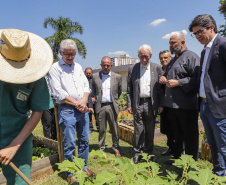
(109, 74)
(209, 45)
(61, 62)
(182, 52)
(147, 66)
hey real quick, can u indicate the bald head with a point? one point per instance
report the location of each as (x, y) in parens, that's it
(106, 65)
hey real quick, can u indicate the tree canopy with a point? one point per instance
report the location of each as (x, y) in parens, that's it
(222, 9)
(64, 29)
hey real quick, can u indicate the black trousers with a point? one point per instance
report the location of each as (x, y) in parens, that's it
(166, 127)
(185, 130)
(48, 123)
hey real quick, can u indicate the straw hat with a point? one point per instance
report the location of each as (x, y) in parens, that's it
(24, 57)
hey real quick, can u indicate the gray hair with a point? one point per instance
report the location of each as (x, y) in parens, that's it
(164, 51)
(204, 20)
(68, 44)
(180, 35)
(145, 46)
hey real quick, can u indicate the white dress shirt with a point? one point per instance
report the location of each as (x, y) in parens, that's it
(67, 81)
(145, 81)
(207, 52)
(106, 88)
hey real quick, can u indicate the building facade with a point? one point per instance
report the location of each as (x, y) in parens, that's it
(123, 60)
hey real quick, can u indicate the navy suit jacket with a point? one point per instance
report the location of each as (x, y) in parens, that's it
(215, 77)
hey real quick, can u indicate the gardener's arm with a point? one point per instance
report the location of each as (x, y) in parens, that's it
(10, 151)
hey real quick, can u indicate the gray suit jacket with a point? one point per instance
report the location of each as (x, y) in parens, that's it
(133, 87)
(116, 90)
(215, 78)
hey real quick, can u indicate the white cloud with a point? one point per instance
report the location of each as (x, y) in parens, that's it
(168, 35)
(117, 53)
(157, 22)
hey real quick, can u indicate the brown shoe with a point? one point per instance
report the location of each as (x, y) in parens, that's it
(89, 172)
(71, 181)
(117, 154)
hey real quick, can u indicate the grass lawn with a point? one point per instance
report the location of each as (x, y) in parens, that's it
(126, 151)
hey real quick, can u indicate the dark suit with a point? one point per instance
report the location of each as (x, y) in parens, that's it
(105, 112)
(213, 110)
(215, 78)
(144, 122)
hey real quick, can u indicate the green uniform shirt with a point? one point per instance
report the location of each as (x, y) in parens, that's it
(15, 101)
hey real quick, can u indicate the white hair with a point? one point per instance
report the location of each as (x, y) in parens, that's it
(180, 35)
(68, 44)
(145, 46)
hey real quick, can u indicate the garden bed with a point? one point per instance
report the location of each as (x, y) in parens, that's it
(43, 164)
(126, 130)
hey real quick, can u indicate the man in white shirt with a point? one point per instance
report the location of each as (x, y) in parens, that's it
(212, 87)
(107, 87)
(144, 100)
(70, 89)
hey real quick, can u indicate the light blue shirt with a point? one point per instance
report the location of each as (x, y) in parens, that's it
(106, 88)
(67, 81)
(207, 48)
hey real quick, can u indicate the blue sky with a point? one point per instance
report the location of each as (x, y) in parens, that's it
(112, 25)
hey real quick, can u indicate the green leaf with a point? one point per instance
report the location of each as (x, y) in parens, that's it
(172, 175)
(97, 153)
(79, 162)
(157, 181)
(128, 176)
(204, 177)
(81, 176)
(155, 168)
(105, 177)
(102, 163)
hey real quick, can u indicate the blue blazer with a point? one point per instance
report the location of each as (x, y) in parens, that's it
(215, 77)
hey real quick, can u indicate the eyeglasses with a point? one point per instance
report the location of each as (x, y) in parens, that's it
(198, 32)
(69, 55)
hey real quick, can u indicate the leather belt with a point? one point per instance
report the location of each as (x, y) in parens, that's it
(204, 100)
(66, 105)
(148, 98)
(107, 103)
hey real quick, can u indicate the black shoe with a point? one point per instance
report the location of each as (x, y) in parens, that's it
(169, 162)
(136, 158)
(169, 151)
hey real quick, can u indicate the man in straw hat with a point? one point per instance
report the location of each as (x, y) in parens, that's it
(24, 59)
(70, 89)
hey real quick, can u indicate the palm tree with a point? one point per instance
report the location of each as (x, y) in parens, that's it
(64, 29)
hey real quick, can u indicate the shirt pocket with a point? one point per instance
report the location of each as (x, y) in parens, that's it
(21, 95)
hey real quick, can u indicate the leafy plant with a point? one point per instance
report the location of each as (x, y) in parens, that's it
(42, 152)
(125, 172)
(35, 158)
(123, 117)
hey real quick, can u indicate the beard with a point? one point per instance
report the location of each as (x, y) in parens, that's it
(176, 49)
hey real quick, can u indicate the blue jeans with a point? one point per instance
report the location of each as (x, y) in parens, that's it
(216, 136)
(71, 121)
